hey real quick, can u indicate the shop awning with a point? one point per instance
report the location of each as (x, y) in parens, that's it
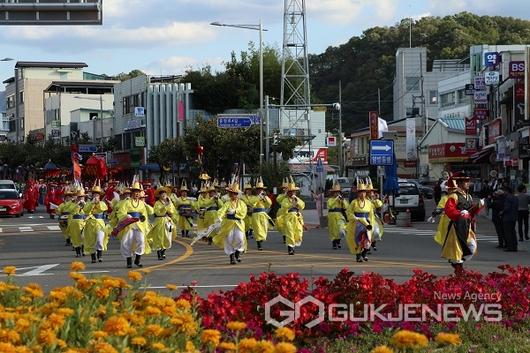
(305, 168)
(483, 156)
(150, 167)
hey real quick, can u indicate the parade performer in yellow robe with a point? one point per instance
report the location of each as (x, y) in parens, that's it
(64, 210)
(231, 234)
(337, 206)
(203, 201)
(459, 239)
(76, 222)
(440, 211)
(361, 219)
(95, 239)
(293, 221)
(248, 199)
(184, 217)
(279, 220)
(212, 208)
(260, 218)
(162, 232)
(133, 236)
(378, 230)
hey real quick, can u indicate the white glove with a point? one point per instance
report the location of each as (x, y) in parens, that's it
(217, 225)
(231, 211)
(482, 202)
(431, 219)
(464, 213)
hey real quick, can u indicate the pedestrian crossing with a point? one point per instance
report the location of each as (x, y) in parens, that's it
(29, 229)
(389, 229)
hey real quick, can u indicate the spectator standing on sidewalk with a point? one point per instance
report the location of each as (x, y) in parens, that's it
(522, 213)
(497, 206)
(509, 218)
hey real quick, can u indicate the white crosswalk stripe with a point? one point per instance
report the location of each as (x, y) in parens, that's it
(0, 230)
(427, 232)
(25, 229)
(54, 228)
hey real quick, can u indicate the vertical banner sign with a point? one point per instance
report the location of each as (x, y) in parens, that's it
(181, 113)
(527, 83)
(410, 145)
(471, 126)
(374, 125)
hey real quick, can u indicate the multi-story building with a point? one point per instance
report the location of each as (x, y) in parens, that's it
(74, 108)
(4, 123)
(24, 93)
(148, 110)
(416, 87)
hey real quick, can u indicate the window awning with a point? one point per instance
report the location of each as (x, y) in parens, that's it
(483, 155)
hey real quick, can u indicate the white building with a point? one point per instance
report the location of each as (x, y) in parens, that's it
(74, 108)
(416, 87)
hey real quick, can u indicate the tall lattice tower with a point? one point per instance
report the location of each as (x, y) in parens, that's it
(295, 94)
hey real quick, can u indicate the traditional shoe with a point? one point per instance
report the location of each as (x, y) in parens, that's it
(232, 259)
(527, 237)
(334, 244)
(338, 244)
(237, 253)
(93, 257)
(359, 258)
(129, 262)
(137, 261)
(163, 252)
(365, 258)
(290, 250)
(259, 245)
(159, 254)
(99, 255)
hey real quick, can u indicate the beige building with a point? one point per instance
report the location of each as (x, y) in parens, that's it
(24, 93)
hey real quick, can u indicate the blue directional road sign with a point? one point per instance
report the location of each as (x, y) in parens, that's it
(88, 149)
(320, 166)
(232, 121)
(381, 152)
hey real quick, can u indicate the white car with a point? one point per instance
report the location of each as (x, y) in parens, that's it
(8, 184)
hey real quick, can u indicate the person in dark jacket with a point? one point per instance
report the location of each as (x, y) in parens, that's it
(497, 206)
(509, 218)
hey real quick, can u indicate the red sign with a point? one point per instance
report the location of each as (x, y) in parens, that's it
(480, 113)
(494, 130)
(471, 126)
(322, 153)
(411, 164)
(448, 152)
(517, 69)
(519, 92)
(471, 145)
(374, 125)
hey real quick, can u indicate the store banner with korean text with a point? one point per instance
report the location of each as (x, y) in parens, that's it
(374, 125)
(410, 144)
(471, 126)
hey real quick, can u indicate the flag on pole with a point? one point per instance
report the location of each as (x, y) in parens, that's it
(382, 126)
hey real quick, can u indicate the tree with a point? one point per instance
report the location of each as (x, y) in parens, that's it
(168, 153)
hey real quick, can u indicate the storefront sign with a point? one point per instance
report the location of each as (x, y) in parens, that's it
(494, 130)
(480, 97)
(517, 69)
(471, 145)
(448, 152)
(410, 144)
(491, 59)
(470, 89)
(480, 113)
(479, 84)
(134, 124)
(491, 78)
(471, 126)
(374, 125)
(519, 92)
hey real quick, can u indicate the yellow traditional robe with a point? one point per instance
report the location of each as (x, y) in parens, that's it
(260, 217)
(292, 220)
(360, 215)
(229, 222)
(95, 222)
(336, 220)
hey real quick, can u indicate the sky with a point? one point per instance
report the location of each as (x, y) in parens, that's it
(164, 37)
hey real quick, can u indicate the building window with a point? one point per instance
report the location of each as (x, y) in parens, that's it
(412, 111)
(447, 99)
(21, 97)
(412, 84)
(433, 97)
(462, 97)
(10, 102)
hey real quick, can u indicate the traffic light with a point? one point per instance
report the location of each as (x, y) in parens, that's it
(275, 139)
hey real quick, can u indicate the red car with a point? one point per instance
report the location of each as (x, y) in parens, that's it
(11, 204)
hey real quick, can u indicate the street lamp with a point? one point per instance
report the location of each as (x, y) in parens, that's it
(258, 27)
(100, 99)
(7, 59)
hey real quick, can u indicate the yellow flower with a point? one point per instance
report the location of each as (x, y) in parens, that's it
(448, 339)
(382, 349)
(152, 311)
(22, 325)
(247, 345)
(154, 330)
(11, 336)
(285, 347)
(158, 346)
(77, 266)
(227, 346)
(139, 341)
(34, 290)
(102, 293)
(62, 344)
(117, 326)
(54, 321)
(236, 325)
(10, 270)
(135, 276)
(58, 294)
(284, 334)
(76, 276)
(65, 311)
(408, 339)
(7, 348)
(47, 337)
(183, 304)
(211, 337)
(100, 334)
(111, 283)
(22, 349)
(190, 347)
(171, 286)
(265, 347)
(104, 348)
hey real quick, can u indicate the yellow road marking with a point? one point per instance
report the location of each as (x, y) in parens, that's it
(187, 253)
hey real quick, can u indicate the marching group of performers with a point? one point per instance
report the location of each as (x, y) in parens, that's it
(226, 217)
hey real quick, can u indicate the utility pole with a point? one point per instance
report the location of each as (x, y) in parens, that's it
(341, 159)
(378, 102)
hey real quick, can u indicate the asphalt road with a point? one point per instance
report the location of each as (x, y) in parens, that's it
(36, 247)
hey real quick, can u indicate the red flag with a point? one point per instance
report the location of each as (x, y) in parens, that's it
(76, 168)
(181, 113)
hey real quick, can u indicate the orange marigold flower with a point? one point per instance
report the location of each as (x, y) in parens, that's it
(211, 337)
(135, 276)
(285, 347)
(102, 293)
(152, 311)
(284, 334)
(190, 347)
(448, 339)
(10, 270)
(47, 337)
(139, 341)
(227, 346)
(158, 346)
(11, 336)
(22, 325)
(183, 304)
(76, 276)
(22, 349)
(100, 334)
(65, 311)
(7, 348)
(77, 266)
(54, 321)
(382, 349)
(117, 326)
(104, 348)
(236, 325)
(34, 290)
(171, 286)
(408, 339)
(265, 346)
(154, 330)
(247, 345)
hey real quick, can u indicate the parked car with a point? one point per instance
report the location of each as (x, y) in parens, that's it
(11, 204)
(426, 191)
(8, 184)
(409, 197)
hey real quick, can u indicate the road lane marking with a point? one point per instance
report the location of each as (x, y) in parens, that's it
(187, 253)
(89, 272)
(25, 229)
(35, 270)
(53, 228)
(0, 230)
(194, 286)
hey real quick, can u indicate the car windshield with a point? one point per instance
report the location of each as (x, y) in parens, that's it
(8, 195)
(7, 186)
(408, 189)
